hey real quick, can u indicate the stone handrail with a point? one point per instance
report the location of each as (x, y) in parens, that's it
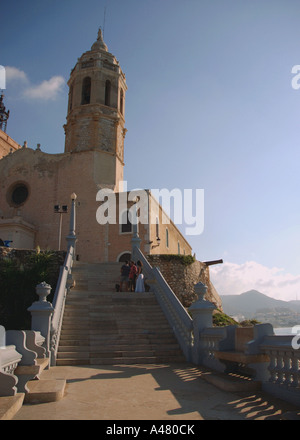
(175, 313)
(64, 283)
(59, 303)
(18, 339)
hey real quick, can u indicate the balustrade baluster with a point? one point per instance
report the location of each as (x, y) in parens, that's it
(273, 365)
(295, 374)
(280, 368)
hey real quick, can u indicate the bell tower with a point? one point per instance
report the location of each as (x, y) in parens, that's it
(96, 109)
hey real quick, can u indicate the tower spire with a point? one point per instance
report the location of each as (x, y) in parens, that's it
(99, 44)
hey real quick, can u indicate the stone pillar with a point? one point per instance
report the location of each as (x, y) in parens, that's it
(71, 237)
(201, 312)
(41, 312)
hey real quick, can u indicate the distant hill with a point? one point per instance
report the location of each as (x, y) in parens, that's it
(251, 302)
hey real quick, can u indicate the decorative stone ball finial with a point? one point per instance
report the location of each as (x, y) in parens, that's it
(43, 290)
(201, 303)
(200, 290)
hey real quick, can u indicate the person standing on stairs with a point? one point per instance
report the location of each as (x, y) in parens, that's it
(140, 286)
(125, 269)
(132, 276)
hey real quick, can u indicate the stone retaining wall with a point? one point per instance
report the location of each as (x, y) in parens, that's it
(182, 278)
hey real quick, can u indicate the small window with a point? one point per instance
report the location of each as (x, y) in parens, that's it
(126, 225)
(178, 247)
(86, 91)
(167, 237)
(157, 227)
(107, 92)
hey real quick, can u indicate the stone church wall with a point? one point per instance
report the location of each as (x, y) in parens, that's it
(7, 144)
(182, 278)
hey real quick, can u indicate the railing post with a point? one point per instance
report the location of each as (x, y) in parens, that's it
(201, 312)
(41, 312)
(71, 237)
(135, 241)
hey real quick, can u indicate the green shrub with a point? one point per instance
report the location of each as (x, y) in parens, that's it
(220, 319)
(249, 323)
(17, 287)
(186, 260)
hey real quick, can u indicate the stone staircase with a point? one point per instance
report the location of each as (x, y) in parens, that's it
(102, 326)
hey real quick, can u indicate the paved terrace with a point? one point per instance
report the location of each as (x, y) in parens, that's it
(151, 392)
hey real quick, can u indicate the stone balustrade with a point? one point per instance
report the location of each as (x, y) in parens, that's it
(284, 368)
(215, 339)
(9, 360)
(256, 352)
(28, 344)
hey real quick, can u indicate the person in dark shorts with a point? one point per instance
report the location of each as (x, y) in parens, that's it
(125, 269)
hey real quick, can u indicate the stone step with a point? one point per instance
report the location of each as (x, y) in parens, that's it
(102, 326)
(107, 328)
(117, 347)
(10, 405)
(116, 334)
(113, 315)
(232, 382)
(108, 295)
(102, 339)
(116, 354)
(45, 390)
(112, 323)
(121, 360)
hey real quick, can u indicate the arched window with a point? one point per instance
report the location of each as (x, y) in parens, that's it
(86, 91)
(178, 248)
(107, 92)
(121, 101)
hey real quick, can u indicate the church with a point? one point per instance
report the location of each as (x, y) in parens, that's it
(36, 187)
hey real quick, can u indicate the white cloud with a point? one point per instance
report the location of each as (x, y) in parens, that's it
(15, 74)
(46, 90)
(233, 279)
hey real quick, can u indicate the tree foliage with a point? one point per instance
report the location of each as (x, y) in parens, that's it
(17, 286)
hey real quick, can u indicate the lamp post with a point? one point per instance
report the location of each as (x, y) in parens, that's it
(60, 210)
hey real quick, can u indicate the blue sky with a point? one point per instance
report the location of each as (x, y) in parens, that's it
(209, 105)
